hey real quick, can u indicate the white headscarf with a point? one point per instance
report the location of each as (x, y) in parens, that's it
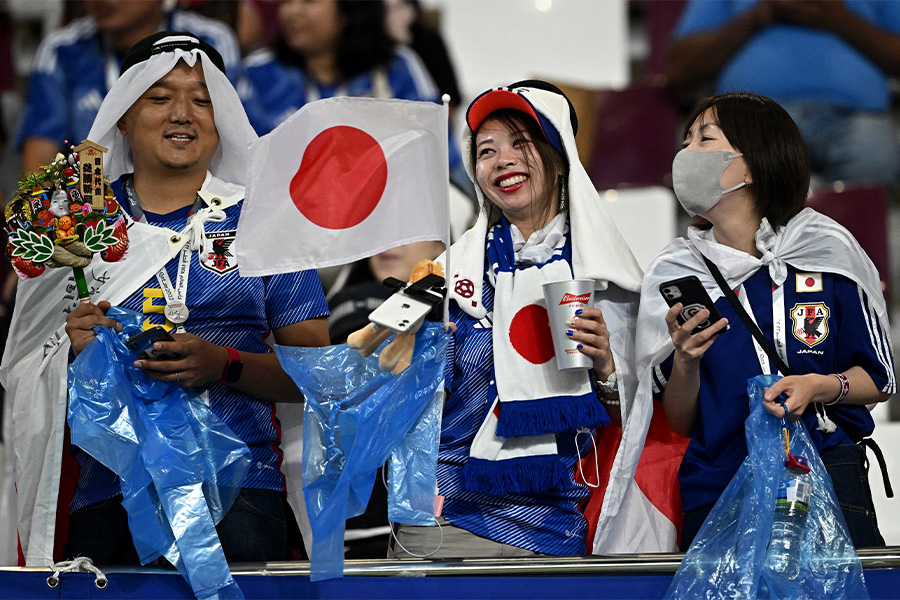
(230, 161)
(599, 251)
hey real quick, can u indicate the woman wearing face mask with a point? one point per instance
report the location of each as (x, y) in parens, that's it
(509, 451)
(811, 289)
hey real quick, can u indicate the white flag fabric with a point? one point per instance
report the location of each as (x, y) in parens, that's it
(343, 179)
(33, 373)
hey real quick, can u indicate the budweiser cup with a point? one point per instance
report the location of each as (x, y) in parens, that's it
(563, 298)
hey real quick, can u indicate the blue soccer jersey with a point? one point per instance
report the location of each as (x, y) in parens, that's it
(74, 69)
(548, 522)
(830, 327)
(227, 310)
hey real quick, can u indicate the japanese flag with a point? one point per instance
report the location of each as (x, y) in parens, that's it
(343, 179)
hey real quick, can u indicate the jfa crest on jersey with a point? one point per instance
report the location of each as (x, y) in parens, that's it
(810, 322)
(216, 254)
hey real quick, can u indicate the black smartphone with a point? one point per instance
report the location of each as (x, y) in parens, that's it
(141, 345)
(693, 297)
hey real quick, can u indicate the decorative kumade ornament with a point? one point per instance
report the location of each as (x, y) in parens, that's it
(50, 224)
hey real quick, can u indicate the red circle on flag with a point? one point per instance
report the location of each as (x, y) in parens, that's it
(341, 178)
(529, 334)
(810, 282)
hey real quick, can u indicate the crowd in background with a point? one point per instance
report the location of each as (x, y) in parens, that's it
(282, 54)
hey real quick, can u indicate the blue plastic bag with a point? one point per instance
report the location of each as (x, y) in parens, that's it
(179, 465)
(412, 469)
(726, 558)
(356, 415)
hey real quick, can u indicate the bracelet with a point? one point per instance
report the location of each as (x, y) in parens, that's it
(608, 402)
(605, 388)
(845, 389)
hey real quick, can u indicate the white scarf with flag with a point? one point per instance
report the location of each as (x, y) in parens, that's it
(343, 179)
(515, 451)
(599, 252)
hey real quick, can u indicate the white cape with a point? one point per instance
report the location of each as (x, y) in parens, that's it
(34, 374)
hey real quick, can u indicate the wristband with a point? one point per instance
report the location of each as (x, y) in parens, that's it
(233, 367)
(845, 389)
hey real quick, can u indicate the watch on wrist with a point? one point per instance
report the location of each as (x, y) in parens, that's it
(606, 387)
(233, 367)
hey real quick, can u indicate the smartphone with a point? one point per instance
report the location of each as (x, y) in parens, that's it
(693, 297)
(141, 345)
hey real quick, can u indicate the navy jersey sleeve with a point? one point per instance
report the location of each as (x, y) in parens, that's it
(864, 339)
(661, 374)
(44, 112)
(294, 297)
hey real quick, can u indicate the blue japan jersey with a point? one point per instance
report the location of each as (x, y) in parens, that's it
(831, 326)
(548, 522)
(227, 310)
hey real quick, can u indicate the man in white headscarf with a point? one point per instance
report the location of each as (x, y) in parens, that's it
(177, 137)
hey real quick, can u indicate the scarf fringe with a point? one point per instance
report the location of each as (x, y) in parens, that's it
(523, 475)
(524, 418)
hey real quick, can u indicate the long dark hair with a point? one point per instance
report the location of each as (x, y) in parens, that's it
(772, 147)
(363, 45)
(554, 165)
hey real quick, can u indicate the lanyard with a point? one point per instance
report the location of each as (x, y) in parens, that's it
(778, 322)
(176, 309)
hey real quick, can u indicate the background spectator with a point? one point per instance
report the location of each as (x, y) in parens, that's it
(826, 62)
(76, 65)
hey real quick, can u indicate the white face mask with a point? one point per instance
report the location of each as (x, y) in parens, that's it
(696, 177)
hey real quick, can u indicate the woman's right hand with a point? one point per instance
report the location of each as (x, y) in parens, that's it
(80, 324)
(680, 398)
(689, 347)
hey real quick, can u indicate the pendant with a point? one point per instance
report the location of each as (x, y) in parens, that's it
(176, 312)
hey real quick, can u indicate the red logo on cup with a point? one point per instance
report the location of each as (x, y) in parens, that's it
(575, 299)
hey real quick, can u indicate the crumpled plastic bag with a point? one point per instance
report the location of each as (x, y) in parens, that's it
(179, 465)
(726, 559)
(412, 469)
(356, 415)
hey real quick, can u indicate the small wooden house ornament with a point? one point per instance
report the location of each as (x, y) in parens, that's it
(90, 157)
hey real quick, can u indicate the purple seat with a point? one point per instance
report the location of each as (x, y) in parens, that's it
(863, 211)
(634, 137)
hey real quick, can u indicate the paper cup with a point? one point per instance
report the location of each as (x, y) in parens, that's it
(563, 298)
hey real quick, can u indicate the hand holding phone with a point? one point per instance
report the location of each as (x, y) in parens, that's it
(141, 345)
(693, 298)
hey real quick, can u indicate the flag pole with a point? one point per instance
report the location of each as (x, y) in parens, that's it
(445, 100)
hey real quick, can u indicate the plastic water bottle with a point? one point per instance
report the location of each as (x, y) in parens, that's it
(791, 512)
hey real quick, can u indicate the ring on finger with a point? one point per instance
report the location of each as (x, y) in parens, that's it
(176, 377)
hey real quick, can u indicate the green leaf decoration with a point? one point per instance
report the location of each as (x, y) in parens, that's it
(32, 246)
(99, 237)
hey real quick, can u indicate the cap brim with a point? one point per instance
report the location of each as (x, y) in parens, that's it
(498, 99)
(493, 100)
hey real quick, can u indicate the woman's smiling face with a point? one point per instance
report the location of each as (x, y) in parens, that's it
(510, 172)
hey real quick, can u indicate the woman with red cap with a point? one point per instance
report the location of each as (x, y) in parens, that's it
(514, 426)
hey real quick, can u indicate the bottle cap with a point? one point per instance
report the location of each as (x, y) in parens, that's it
(797, 464)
